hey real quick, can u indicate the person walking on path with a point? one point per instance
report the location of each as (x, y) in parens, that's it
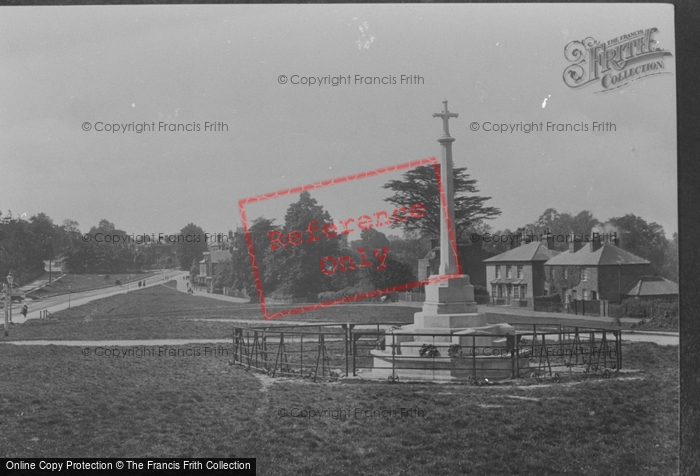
(24, 311)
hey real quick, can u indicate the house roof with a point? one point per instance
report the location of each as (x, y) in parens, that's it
(219, 256)
(607, 254)
(651, 286)
(535, 251)
(507, 281)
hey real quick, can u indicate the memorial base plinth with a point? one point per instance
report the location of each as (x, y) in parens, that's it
(461, 343)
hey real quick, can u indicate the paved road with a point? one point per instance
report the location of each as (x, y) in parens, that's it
(58, 303)
(182, 286)
(118, 343)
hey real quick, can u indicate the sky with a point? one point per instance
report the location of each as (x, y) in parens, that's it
(67, 69)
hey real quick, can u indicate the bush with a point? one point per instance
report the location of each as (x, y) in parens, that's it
(635, 307)
(280, 295)
(345, 292)
(481, 291)
(549, 303)
(657, 314)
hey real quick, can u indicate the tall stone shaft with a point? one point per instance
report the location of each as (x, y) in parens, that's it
(448, 247)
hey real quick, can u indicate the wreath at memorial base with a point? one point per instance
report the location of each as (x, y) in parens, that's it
(455, 350)
(429, 351)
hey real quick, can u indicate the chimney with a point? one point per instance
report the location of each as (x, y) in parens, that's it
(230, 235)
(574, 244)
(596, 242)
(549, 242)
(614, 239)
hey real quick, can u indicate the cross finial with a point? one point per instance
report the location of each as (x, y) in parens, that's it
(445, 115)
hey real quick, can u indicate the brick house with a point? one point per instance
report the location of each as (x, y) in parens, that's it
(517, 276)
(593, 271)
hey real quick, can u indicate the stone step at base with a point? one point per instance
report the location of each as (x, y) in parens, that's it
(445, 368)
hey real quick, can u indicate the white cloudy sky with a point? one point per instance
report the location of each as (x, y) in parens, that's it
(63, 66)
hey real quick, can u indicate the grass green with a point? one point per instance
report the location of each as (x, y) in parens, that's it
(55, 401)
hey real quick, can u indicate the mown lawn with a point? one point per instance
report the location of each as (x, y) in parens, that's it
(161, 312)
(65, 402)
(57, 402)
(86, 282)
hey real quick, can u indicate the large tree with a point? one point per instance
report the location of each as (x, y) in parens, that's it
(419, 185)
(105, 252)
(21, 251)
(297, 267)
(239, 275)
(393, 273)
(647, 240)
(560, 225)
(70, 233)
(191, 245)
(670, 267)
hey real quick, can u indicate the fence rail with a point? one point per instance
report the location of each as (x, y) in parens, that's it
(331, 351)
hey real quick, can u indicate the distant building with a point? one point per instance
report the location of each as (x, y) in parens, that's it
(209, 265)
(652, 287)
(517, 276)
(595, 270)
(55, 265)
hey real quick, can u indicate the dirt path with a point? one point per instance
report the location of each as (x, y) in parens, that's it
(115, 343)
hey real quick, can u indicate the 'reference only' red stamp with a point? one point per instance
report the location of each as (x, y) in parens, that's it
(316, 232)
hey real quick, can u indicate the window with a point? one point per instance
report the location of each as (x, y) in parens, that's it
(585, 295)
(493, 290)
(498, 271)
(520, 272)
(523, 290)
(508, 272)
(516, 292)
(584, 274)
(566, 273)
(500, 290)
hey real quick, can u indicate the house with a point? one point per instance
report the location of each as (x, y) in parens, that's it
(594, 270)
(57, 264)
(652, 287)
(517, 276)
(209, 265)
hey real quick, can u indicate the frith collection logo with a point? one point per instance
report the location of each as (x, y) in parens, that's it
(616, 62)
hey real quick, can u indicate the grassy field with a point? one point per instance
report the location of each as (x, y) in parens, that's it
(57, 402)
(143, 401)
(161, 312)
(86, 282)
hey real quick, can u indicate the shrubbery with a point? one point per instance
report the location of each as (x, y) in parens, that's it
(481, 290)
(657, 314)
(345, 292)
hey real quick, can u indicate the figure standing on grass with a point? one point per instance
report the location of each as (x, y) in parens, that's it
(24, 311)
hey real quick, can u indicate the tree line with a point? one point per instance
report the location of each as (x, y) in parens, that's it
(298, 270)
(636, 235)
